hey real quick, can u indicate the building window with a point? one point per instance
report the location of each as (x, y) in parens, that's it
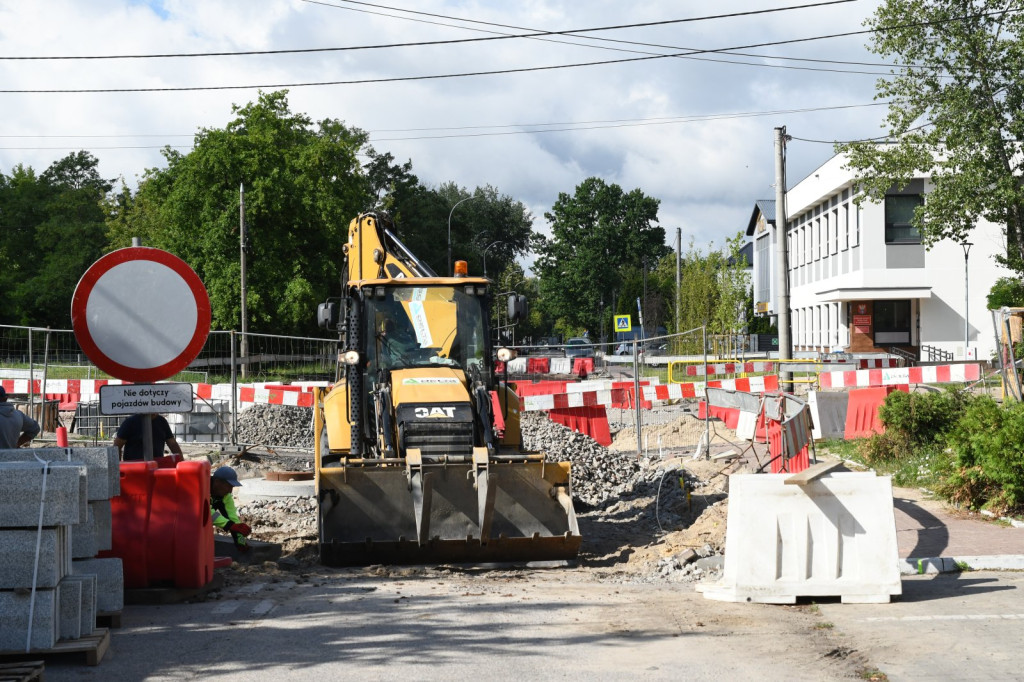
(763, 259)
(892, 322)
(835, 230)
(899, 216)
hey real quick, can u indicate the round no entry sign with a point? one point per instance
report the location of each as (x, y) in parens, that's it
(141, 314)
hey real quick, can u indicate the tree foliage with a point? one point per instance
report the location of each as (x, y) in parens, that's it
(714, 287)
(52, 228)
(303, 184)
(597, 235)
(956, 112)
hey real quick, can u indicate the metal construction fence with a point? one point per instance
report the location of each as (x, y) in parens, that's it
(54, 379)
(255, 390)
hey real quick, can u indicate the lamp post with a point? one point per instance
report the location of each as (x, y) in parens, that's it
(967, 325)
(450, 231)
(486, 248)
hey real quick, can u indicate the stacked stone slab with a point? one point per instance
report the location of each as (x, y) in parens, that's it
(54, 518)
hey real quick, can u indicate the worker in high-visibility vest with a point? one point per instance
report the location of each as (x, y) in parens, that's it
(222, 506)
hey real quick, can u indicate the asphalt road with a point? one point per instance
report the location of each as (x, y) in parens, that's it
(558, 624)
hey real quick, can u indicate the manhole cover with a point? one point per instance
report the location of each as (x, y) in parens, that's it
(289, 476)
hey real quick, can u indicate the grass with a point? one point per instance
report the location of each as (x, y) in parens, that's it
(915, 470)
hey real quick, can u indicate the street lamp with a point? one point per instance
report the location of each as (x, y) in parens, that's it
(486, 248)
(967, 325)
(450, 271)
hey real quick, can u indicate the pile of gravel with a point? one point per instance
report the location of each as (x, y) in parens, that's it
(280, 425)
(598, 474)
(291, 513)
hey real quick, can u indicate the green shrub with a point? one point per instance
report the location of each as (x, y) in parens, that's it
(915, 422)
(987, 457)
(1008, 292)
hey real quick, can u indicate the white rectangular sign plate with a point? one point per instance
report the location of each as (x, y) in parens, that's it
(145, 398)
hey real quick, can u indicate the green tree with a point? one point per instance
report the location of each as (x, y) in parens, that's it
(303, 184)
(487, 223)
(714, 290)
(22, 198)
(52, 231)
(598, 235)
(956, 113)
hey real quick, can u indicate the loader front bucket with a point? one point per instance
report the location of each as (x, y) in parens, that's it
(421, 513)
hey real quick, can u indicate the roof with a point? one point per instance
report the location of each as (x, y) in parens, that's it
(765, 207)
(746, 252)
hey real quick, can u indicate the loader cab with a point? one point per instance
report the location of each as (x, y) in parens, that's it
(427, 326)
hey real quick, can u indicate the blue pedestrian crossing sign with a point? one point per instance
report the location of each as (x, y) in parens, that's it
(623, 323)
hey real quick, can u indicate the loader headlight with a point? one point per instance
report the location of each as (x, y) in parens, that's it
(506, 354)
(350, 357)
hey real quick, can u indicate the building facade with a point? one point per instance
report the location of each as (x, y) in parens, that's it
(860, 279)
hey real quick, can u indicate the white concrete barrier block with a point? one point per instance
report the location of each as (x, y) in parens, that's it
(833, 536)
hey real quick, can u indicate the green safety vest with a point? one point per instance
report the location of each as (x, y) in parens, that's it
(225, 514)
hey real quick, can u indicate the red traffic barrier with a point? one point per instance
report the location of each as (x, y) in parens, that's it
(862, 410)
(62, 437)
(592, 421)
(781, 465)
(161, 525)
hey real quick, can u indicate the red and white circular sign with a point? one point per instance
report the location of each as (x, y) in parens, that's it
(141, 314)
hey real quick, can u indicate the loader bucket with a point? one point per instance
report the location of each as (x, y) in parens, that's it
(446, 513)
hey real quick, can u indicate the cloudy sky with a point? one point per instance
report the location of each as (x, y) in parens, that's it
(478, 99)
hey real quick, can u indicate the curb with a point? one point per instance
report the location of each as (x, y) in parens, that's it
(932, 565)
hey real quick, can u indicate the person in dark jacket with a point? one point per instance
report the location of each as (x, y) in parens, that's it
(129, 437)
(16, 428)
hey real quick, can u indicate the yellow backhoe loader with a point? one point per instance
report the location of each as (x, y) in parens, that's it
(418, 451)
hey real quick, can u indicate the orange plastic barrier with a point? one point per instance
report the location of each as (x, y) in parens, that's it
(161, 525)
(729, 415)
(862, 410)
(538, 365)
(524, 388)
(592, 421)
(780, 465)
(582, 366)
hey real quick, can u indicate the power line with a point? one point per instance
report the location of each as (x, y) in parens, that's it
(570, 126)
(686, 54)
(534, 33)
(863, 139)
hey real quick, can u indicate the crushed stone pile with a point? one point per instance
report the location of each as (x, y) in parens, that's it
(280, 425)
(289, 521)
(598, 475)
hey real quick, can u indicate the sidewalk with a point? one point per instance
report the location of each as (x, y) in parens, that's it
(933, 537)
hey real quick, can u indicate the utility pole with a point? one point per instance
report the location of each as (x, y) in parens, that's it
(967, 300)
(782, 257)
(679, 257)
(245, 292)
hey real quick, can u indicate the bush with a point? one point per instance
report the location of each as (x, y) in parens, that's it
(1008, 292)
(915, 421)
(987, 457)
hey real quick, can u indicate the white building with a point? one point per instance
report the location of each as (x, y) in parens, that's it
(860, 279)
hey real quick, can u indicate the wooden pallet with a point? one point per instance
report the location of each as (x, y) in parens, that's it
(93, 647)
(26, 671)
(108, 619)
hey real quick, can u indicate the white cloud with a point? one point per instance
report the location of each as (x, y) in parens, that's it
(706, 173)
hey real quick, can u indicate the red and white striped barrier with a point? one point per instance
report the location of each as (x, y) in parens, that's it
(940, 374)
(299, 395)
(80, 386)
(729, 368)
(658, 392)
